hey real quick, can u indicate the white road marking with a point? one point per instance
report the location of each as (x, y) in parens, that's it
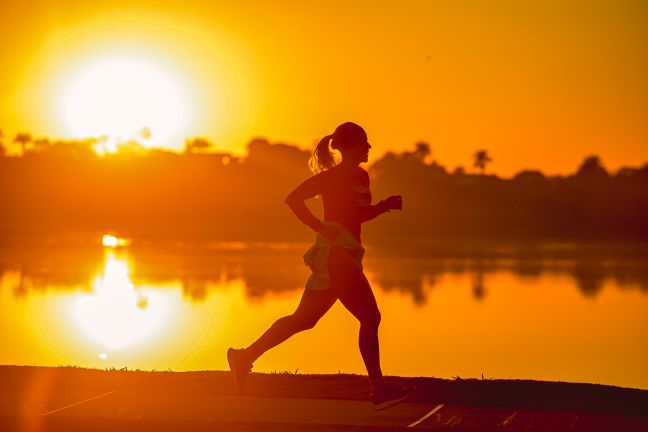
(454, 419)
(508, 419)
(574, 421)
(426, 416)
(77, 403)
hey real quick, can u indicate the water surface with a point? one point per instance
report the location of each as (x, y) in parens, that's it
(568, 316)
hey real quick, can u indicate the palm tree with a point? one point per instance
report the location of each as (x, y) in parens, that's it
(22, 138)
(482, 158)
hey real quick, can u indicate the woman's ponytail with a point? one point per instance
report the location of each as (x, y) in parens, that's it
(322, 158)
(345, 136)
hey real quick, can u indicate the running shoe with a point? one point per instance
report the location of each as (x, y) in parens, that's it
(389, 395)
(239, 367)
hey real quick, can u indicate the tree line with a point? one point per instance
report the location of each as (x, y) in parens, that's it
(64, 185)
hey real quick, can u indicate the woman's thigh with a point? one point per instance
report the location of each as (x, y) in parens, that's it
(351, 286)
(314, 304)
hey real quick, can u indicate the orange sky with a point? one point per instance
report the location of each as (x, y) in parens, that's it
(539, 84)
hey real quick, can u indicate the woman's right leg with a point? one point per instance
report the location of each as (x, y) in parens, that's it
(313, 305)
(352, 288)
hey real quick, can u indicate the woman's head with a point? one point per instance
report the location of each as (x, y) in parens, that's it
(349, 139)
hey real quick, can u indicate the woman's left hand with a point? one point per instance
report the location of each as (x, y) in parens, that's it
(394, 202)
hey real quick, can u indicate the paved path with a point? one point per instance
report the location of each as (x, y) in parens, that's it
(132, 410)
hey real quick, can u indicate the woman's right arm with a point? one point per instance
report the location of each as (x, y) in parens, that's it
(311, 187)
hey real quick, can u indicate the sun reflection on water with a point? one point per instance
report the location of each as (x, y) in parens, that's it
(111, 241)
(118, 315)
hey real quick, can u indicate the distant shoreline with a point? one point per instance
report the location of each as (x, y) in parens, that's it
(439, 245)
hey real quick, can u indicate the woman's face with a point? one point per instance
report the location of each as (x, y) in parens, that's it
(359, 152)
(363, 149)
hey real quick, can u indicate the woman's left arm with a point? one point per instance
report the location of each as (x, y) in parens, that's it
(394, 202)
(373, 211)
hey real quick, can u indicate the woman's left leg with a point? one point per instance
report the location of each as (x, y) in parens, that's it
(313, 305)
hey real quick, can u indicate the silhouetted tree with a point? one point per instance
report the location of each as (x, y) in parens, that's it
(626, 172)
(592, 166)
(197, 145)
(23, 139)
(3, 151)
(244, 199)
(422, 151)
(529, 178)
(41, 145)
(482, 158)
(283, 158)
(130, 147)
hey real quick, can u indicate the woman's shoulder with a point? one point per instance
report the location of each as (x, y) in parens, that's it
(323, 178)
(338, 174)
(330, 173)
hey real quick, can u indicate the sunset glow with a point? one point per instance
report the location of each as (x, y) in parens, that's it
(121, 97)
(488, 75)
(334, 208)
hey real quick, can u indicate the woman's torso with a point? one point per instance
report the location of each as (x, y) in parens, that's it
(345, 197)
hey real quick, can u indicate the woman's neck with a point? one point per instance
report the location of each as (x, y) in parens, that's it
(348, 166)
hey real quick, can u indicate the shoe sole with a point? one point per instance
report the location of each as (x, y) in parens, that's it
(392, 402)
(234, 369)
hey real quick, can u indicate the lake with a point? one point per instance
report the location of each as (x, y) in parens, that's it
(550, 311)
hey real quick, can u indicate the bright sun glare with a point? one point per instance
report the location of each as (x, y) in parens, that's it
(121, 96)
(117, 315)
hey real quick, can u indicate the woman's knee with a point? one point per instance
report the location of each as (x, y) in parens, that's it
(303, 322)
(372, 319)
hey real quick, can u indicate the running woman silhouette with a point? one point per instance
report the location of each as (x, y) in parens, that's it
(335, 259)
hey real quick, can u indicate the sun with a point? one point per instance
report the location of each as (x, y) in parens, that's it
(120, 97)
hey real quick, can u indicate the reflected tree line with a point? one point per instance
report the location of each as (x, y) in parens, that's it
(267, 270)
(62, 185)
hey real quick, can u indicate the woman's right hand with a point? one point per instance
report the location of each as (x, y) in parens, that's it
(330, 232)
